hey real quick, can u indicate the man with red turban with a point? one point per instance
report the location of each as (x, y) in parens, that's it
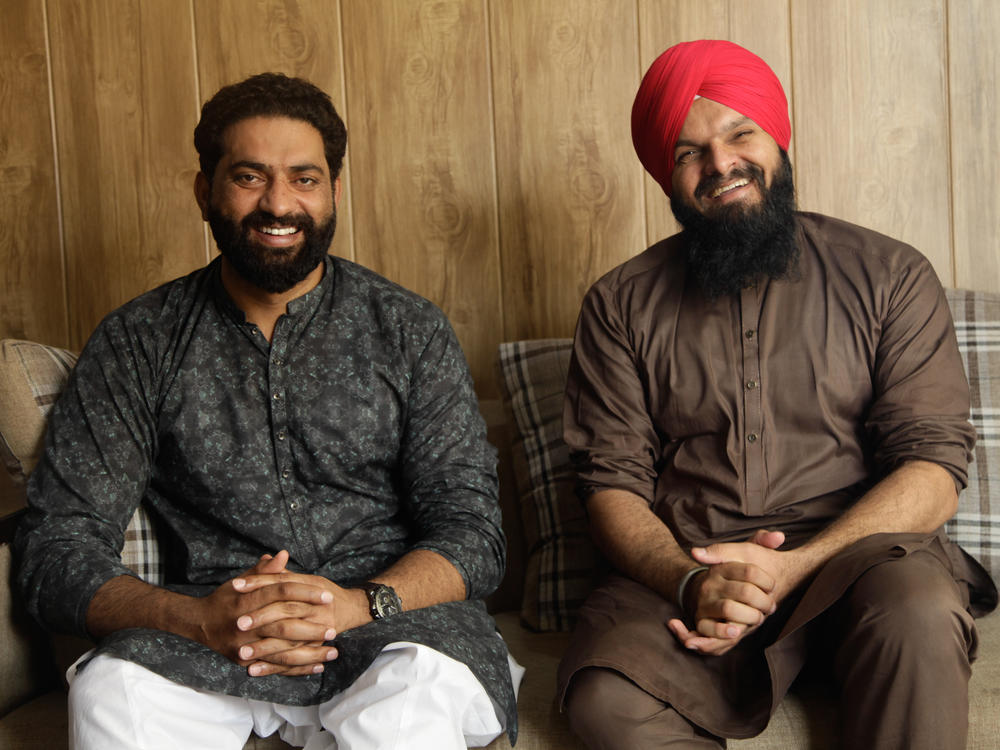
(768, 415)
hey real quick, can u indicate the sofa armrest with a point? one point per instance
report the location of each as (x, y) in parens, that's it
(26, 667)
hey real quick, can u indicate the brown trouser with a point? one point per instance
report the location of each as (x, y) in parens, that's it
(896, 646)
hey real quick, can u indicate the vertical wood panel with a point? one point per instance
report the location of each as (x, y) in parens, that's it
(32, 293)
(570, 184)
(975, 141)
(424, 188)
(124, 102)
(237, 39)
(871, 112)
(762, 27)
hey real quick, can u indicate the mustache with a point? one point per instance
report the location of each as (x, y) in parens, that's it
(259, 219)
(709, 184)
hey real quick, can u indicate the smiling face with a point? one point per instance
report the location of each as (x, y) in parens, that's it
(271, 203)
(722, 160)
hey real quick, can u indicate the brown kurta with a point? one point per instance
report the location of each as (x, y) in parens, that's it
(777, 408)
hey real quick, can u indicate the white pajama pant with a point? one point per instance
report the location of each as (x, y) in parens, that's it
(410, 697)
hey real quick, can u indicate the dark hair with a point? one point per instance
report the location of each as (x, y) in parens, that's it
(269, 95)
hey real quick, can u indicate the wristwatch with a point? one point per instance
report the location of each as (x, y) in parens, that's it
(383, 601)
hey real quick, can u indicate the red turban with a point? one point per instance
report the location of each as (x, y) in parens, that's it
(721, 71)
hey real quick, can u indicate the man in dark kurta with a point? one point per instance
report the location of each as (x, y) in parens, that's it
(305, 435)
(769, 418)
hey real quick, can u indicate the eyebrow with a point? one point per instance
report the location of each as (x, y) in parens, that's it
(728, 128)
(261, 167)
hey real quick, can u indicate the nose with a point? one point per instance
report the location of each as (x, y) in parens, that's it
(719, 159)
(277, 199)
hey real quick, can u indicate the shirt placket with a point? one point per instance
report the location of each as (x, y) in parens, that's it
(278, 381)
(753, 422)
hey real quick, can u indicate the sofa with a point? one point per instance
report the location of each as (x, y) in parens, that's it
(551, 562)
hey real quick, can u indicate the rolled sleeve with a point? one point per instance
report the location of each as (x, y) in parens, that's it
(606, 421)
(87, 486)
(921, 405)
(449, 468)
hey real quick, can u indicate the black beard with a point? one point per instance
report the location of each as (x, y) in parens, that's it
(274, 270)
(739, 244)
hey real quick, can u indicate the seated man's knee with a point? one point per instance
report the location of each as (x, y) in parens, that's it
(607, 710)
(910, 603)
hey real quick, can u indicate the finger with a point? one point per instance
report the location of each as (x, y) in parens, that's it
(720, 629)
(265, 649)
(294, 629)
(303, 656)
(272, 588)
(693, 642)
(740, 573)
(769, 539)
(711, 555)
(283, 609)
(263, 669)
(272, 563)
(251, 581)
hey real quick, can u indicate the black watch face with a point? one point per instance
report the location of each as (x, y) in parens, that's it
(386, 601)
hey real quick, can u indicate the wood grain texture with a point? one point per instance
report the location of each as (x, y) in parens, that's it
(974, 71)
(30, 251)
(762, 27)
(124, 102)
(496, 171)
(423, 183)
(239, 38)
(871, 112)
(570, 186)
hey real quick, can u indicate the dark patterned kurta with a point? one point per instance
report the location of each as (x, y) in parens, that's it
(351, 439)
(774, 408)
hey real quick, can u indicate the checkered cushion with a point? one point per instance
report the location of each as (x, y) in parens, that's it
(976, 525)
(560, 556)
(31, 378)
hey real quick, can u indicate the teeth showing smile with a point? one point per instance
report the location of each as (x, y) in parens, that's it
(730, 186)
(279, 230)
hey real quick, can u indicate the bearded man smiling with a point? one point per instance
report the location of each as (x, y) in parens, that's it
(768, 416)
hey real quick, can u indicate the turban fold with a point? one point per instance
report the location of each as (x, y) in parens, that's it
(721, 71)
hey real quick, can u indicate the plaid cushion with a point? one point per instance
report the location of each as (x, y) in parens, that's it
(560, 556)
(976, 525)
(31, 378)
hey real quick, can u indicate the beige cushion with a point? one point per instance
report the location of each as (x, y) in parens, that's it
(31, 378)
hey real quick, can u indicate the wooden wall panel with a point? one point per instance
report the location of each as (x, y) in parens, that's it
(30, 252)
(236, 39)
(493, 166)
(974, 66)
(762, 27)
(124, 104)
(569, 183)
(423, 184)
(871, 112)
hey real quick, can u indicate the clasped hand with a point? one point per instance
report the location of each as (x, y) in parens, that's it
(743, 585)
(273, 621)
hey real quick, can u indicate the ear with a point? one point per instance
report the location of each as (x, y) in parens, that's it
(202, 193)
(338, 190)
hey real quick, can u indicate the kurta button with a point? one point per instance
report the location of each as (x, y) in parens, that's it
(749, 334)
(751, 384)
(285, 474)
(293, 505)
(278, 362)
(281, 434)
(277, 396)
(752, 437)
